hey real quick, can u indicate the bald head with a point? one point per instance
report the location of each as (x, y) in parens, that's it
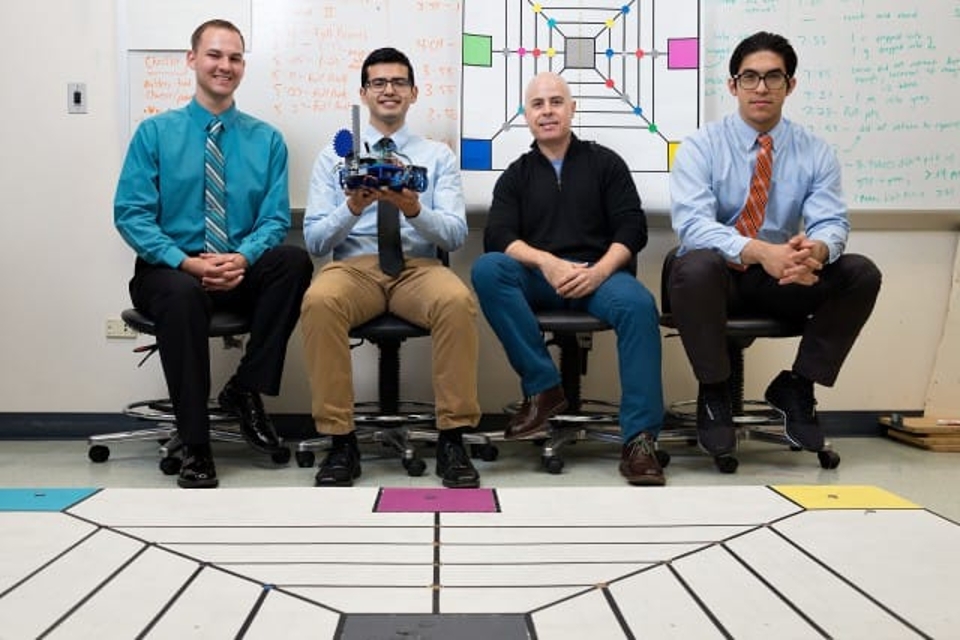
(547, 80)
(549, 110)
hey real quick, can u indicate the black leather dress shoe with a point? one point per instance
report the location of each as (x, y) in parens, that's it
(454, 466)
(532, 418)
(340, 467)
(197, 470)
(255, 425)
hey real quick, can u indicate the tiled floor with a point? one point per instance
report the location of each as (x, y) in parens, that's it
(927, 478)
(782, 548)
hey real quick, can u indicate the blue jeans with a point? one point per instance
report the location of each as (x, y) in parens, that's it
(510, 293)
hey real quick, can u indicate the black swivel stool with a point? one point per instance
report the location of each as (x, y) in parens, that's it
(389, 420)
(571, 332)
(223, 425)
(755, 419)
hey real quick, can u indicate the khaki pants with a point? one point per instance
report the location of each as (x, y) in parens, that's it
(347, 293)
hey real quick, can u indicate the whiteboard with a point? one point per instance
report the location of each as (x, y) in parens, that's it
(878, 79)
(303, 70)
(157, 26)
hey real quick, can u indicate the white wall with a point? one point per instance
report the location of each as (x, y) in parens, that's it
(65, 270)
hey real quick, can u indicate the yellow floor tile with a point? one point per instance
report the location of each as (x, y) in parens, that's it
(843, 497)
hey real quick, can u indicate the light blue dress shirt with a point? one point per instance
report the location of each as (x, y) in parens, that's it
(711, 176)
(329, 226)
(159, 205)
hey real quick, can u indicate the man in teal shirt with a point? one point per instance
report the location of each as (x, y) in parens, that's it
(179, 280)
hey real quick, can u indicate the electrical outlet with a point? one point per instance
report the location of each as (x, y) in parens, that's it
(76, 97)
(117, 328)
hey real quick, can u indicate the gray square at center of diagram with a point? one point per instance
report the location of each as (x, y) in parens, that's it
(579, 53)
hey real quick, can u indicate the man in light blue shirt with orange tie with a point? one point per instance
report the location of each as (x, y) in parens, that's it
(789, 262)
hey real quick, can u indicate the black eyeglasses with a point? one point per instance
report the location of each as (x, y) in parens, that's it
(751, 80)
(379, 84)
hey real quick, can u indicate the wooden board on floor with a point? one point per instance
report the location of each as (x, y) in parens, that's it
(922, 425)
(931, 442)
(927, 432)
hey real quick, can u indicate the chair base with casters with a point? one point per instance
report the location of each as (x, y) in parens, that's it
(754, 419)
(390, 421)
(571, 332)
(224, 426)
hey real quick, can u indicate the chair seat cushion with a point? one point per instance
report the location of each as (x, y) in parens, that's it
(569, 321)
(222, 323)
(750, 327)
(387, 326)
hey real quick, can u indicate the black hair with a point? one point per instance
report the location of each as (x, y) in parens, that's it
(764, 41)
(385, 55)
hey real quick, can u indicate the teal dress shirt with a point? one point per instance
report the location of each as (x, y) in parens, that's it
(159, 203)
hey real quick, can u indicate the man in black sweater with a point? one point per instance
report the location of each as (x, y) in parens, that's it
(563, 233)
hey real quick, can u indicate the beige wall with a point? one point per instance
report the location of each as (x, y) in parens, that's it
(64, 269)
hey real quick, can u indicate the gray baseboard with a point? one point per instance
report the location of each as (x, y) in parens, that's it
(293, 427)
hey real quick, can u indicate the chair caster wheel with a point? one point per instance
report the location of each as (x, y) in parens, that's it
(170, 466)
(553, 464)
(663, 458)
(486, 452)
(828, 459)
(98, 453)
(281, 455)
(414, 466)
(305, 459)
(726, 463)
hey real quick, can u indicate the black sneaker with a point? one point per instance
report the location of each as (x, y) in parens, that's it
(197, 470)
(793, 396)
(716, 431)
(340, 467)
(454, 466)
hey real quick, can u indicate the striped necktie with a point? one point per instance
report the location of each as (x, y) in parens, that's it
(751, 218)
(390, 247)
(214, 192)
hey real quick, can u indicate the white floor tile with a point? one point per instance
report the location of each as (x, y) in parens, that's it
(581, 554)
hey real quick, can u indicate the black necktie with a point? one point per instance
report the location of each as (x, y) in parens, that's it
(388, 226)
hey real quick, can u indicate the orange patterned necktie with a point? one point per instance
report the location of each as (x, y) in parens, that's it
(751, 218)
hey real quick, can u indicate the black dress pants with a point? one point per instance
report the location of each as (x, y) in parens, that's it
(270, 294)
(703, 291)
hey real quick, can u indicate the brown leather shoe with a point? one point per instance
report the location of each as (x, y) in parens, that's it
(639, 463)
(536, 410)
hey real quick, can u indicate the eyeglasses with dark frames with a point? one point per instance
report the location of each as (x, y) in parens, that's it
(380, 84)
(773, 80)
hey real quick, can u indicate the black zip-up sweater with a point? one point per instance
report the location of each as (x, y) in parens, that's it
(594, 204)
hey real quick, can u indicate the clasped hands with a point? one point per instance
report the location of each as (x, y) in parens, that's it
(406, 200)
(217, 271)
(573, 279)
(795, 262)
